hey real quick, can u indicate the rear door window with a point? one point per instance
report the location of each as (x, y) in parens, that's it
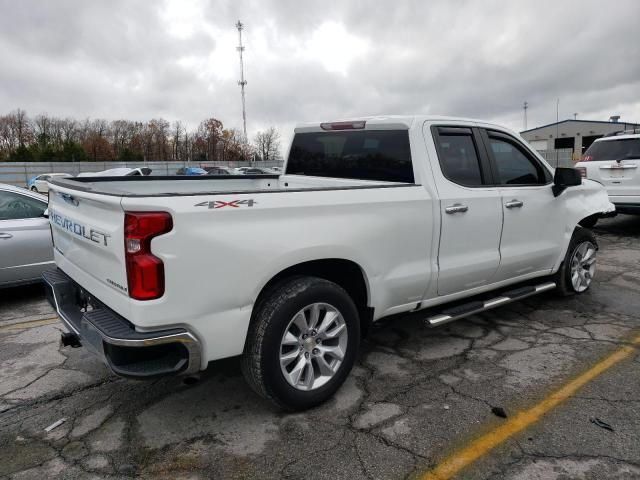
(623, 149)
(383, 155)
(458, 156)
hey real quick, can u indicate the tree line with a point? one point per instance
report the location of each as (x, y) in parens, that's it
(48, 138)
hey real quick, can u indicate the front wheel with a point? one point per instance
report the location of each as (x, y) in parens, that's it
(579, 266)
(302, 343)
(34, 189)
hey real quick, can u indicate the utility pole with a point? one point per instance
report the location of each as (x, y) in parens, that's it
(242, 81)
(557, 129)
(526, 105)
(575, 116)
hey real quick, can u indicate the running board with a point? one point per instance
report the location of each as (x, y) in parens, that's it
(474, 307)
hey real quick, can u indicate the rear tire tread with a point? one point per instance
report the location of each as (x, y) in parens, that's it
(265, 314)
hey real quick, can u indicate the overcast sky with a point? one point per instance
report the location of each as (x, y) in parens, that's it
(327, 60)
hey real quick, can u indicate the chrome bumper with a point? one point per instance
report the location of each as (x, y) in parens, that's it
(127, 352)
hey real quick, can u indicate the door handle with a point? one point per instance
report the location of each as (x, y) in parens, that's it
(5, 236)
(456, 208)
(514, 204)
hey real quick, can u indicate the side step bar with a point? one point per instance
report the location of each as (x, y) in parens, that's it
(474, 307)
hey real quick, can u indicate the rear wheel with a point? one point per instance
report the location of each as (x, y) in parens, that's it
(302, 342)
(579, 266)
(34, 189)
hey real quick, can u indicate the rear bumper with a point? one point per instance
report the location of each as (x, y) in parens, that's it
(114, 339)
(626, 203)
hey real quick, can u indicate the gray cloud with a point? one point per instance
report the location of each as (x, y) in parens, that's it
(320, 60)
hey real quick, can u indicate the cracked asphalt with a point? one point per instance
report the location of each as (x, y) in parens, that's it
(415, 396)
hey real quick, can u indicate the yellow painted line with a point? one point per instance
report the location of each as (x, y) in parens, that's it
(454, 463)
(30, 324)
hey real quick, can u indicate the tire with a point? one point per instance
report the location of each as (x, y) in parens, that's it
(286, 306)
(563, 278)
(589, 222)
(34, 189)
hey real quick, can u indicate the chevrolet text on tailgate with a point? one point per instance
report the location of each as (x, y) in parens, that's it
(373, 217)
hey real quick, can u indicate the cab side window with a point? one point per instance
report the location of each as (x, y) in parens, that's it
(458, 156)
(513, 166)
(14, 206)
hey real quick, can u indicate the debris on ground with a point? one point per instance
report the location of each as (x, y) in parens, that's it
(55, 425)
(601, 424)
(499, 412)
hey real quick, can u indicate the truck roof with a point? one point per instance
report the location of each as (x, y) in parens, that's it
(400, 122)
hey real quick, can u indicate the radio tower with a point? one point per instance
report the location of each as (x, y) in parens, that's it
(526, 105)
(242, 81)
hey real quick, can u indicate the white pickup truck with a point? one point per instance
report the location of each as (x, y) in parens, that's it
(372, 217)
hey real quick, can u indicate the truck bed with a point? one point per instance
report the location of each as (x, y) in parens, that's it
(167, 186)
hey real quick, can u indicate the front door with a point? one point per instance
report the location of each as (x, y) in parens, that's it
(470, 210)
(534, 224)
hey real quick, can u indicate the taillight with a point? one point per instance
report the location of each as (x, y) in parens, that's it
(145, 272)
(587, 158)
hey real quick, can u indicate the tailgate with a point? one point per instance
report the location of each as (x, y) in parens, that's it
(88, 231)
(620, 178)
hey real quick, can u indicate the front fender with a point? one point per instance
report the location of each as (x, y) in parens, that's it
(581, 202)
(588, 199)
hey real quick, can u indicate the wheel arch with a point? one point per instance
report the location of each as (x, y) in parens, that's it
(346, 273)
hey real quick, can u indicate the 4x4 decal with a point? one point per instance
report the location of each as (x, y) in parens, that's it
(222, 204)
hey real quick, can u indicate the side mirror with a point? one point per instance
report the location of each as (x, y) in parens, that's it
(45, 214)
(564, 178)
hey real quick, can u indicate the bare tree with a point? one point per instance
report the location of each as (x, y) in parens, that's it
(175, 139)
(267, 144)
(22, 127)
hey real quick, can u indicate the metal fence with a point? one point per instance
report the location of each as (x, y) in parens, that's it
(19, 173)
(558, 158)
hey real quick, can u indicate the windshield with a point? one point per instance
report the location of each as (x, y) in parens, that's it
(364, 155)
(623, 149)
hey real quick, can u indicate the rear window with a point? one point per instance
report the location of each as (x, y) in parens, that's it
(623, 149)
(364, 155)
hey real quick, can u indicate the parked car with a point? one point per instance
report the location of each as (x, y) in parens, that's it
(39, 183)
(374, 217)
(221, 171)
(242, 169)
(119, 172)
(259, 171)
(25, 237)
(191, 171)
(614, 161)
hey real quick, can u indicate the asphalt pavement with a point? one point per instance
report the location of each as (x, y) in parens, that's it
(418, 398)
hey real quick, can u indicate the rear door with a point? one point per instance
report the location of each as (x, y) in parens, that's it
(88, 231)
(470, 209)
(534, 219)
(615, 162)
(25, 241)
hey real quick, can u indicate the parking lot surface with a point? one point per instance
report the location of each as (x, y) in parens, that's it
(417, 396)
